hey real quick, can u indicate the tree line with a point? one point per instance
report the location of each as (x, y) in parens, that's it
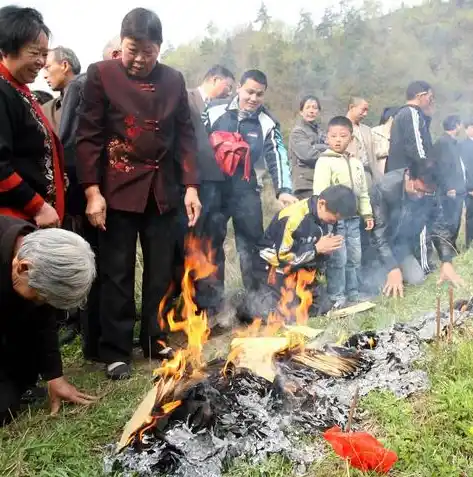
(351, 51)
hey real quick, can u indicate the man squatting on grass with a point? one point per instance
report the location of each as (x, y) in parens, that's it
(40, 270)
(404, 202)
(298, 238)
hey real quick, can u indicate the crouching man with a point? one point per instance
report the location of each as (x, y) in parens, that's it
(405, 202)
(298, 238)
(39, 270)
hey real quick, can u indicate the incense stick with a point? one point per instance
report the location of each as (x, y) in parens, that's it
(353, 405)
(450, 325)
(438, 318)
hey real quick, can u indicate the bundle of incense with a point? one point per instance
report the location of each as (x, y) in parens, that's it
(328, 363)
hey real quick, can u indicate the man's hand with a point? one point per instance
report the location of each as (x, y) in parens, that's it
(47, 217)
(96, 210)
(328, 244)
(394, 285)
(448, 274)
(369, 224)
(193, 205)
(60, 390)
(286, 199)
(452, 193)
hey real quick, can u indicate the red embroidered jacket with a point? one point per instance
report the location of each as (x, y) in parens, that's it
(132, 133)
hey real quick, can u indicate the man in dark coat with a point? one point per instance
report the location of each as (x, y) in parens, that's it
(39, 270)
(453, 181)
(403, 202)
(410, 132)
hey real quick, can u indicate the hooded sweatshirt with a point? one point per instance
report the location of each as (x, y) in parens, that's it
(333, 168)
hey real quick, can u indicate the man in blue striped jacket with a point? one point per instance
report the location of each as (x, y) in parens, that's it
(236, 197)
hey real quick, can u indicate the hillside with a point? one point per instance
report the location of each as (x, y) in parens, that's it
(350, 52)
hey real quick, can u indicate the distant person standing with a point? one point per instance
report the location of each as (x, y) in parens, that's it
(453, 186)
(112, 49)
(410, 133)
(306, 143)
(337, 167)
(62, 66)
(362, 145)
(382, 137)
(467, 156)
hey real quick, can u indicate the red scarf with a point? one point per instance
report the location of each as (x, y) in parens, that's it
(58, 160)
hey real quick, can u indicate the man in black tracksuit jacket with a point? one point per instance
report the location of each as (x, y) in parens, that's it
(410, 134)
(453, 176)
(404, 202)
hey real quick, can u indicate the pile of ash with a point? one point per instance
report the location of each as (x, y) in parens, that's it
(246, 416)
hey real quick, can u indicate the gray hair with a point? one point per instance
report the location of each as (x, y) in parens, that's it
(113, 45)
(66, 54)
(61, 267)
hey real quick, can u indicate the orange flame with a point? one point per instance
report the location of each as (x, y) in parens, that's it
(304, 279)
(198, 264)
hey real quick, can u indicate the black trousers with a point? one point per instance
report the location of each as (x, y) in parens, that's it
(18, 368)
(88, 318)
(453, 207)
(240, 201)
(212, 226)
(469, 219)
(117, 269)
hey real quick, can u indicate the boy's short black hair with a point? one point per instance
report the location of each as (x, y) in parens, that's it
(451, 122)
(340, 200)
(341, 121)
(427, 171)
(255, 75)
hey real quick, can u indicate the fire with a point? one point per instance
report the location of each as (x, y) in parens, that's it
(198, 264)
(188, 365)
(304, 279)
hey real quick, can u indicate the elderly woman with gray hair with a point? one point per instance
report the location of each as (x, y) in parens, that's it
(39, 270)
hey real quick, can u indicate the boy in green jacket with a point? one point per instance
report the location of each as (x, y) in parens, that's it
(336, 166)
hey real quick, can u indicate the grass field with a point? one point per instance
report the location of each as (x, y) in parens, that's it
(432, 433)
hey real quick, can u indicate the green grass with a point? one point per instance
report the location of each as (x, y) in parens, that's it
(432, 433)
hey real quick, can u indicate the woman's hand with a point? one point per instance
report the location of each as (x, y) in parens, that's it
(193, 205)
(47, 217)
(96, 210)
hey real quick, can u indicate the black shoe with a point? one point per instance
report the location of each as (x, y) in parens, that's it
(159, 350)
(118, 371)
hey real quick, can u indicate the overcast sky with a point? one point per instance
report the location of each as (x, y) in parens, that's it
(87, 25)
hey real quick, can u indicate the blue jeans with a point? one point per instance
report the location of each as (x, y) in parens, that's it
(343, 264)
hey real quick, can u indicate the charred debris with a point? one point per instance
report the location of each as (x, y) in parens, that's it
(232, 412)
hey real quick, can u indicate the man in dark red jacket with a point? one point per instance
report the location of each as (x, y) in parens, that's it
(39, 270)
